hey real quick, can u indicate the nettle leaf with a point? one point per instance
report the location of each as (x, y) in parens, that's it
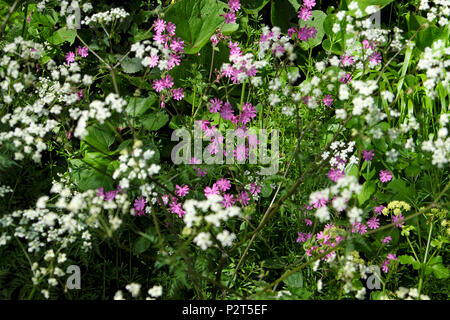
(253, 6)
(100, 137)
(295, 280)
(427, 36)
(131, 65)
(88, 177)
(317, 20)
(141, 106)
(367, 190)
(62, 35)
(440, 271)
(405, 259)
(196, 21)
(155, 121)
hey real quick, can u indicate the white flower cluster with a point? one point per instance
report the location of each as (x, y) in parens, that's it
(32, 122)
(278, 44)
(54, 270)
(153, 54)
(192, 219)
(135, 289)
(4, 190)
(67, 220)
(137, 166)
(410, 294)
(106, 17)
(243, 64)
(341, 192)
(440, 11)
(341, 152)
(20, 58)
(436, 62)
(98, 110)
(440, 147)
(352, 268)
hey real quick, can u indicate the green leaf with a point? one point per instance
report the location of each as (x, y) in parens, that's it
(405, 259)
(426, 37)
(336, 48)
(266, 190)
(155, 121)
(196, 20)
(142, 105)
(295, 280)
(283, 14)
(131, 65)
(62, 35)
(141, 245)
(253, 6)
(101, 137)
(87, 177)
(318, 17)
(368, 189)
(440, 271)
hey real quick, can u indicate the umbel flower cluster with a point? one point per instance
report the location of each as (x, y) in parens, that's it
(357, 110)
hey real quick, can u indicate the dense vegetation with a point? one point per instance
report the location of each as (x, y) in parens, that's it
(118, 179)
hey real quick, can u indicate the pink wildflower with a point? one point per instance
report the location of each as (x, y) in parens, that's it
(178, 94)
(228, 200)
(223, 184)
(368, 155)
(139, 205)
(182, 191)
(387, 239)
(211, 191)
(373, 223)
(244, 198)
(328, 100)
(379, 209)
(385, 175)
(83, 52)
(70, 57)
(234, 5)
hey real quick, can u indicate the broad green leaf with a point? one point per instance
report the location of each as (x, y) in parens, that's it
(295, 280)
(87, 177)
(155, 121)
(368, 189)
(62, 35)
(266, 190)
(131, 65)
(141, 245)
(100, 137)
(440, 271)
(253, 6)
(316, 21)
(336, 48)
(196, 21)
(405, 259)
(142, 105)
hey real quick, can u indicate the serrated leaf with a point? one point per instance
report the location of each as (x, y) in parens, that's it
(142, 105)
(131, 65)
(367, 190)
(318, 17)
(197, 20)
(155, 121)
(62, 35)
(295, 280)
